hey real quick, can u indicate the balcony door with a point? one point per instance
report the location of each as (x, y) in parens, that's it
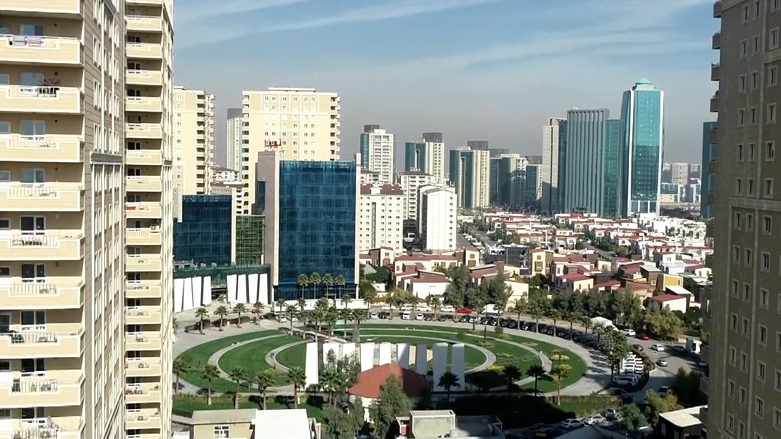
(33, 176)
(33, 273)
(31, 30)
(133, 172)
(32, 131)
(5, 323)
(33, 225)
(33, 321)
(33, 367)
(30, 82)
(35, 416)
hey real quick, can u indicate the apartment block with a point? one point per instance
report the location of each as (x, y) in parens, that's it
(411, 182)
(298, 123)
(381, 217)
(233, 142)
(193, 141)
(507, 181)
(426, 155)
(437, 217)
(233, 188)
(378, 150)
(149, 112)
(469, 174)
(61, 225)
(550, 164)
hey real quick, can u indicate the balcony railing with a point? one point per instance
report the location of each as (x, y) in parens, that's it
(36, 344)
(716, 43)
(143, 367)
(714, 72)
(717, 9)
(144, 77)
(143, 210)
(47, 148)
(140, 393)
(142, 315)
(41, 392)
(39, 49)
(144, 23)
(145, 157)
(42, 247)
(142, 289)
(714, 103)
(25, 295)
(144, 184)
(143, 103)
(142, 341)
(41, 197)
(40, 99)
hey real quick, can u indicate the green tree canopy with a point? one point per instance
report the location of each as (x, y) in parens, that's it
(393, 403)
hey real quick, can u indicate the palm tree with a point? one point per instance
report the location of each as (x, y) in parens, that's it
(297, 378)
(291, 312)
(559, 371)
(346, 300)
(237, 374)
(555, 315)
(434, 303)
(358, 315)
(239, 309)
(481, 381)
(519, 309)
(179, 368)
(264, 379)
(328, 281)
(315, 280)
(259, 310)
(535, 371)
(222, 312)
(511, 375)
(202, 313)
(280, 304)
(448, 380)
(340, 282)
(331, 316)
(346, 315)
(586, 322)
(330, 379)
(303, 282)
(209, 373)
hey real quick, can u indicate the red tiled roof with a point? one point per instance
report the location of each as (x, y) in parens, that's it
(369, 382)
(574, 277)
(426, 258)
(609, 283)
(667, 297)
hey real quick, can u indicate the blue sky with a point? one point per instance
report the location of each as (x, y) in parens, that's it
(473, 69)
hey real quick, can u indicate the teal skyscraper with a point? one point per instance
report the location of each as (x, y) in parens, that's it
(642, 119)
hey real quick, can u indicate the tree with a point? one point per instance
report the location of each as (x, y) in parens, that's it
(259, 306)
(686, 386)
(237, 375)
(296, 378)
(179, 368)
(632, 418)
(314, 281)
(302, 282)
(519, 309)
(239, 309)
(264, 379)
(331, 316)
(358, 414)
(301, 302)
(585, 321)
(535, 371)
(368, 295)
(393, 402)
(511, 375)
(221, 311)
(448, 381)
(559, 370)
(554, 314)
(537, 304)
(658, 404)
(345, 314)
(340, 282)
(329, 380)
(358, 316)
(619, 349)
(280, 304)
(337, 424)
(291, 313)
(202, 314)
(328, 281)
(209, 373)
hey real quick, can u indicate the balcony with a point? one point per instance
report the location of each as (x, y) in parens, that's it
(147, 157)
(42, 247)
(41, 345)
(144, 184)
(142, 315)
(141, 420)
(716, 43)
(30, 295)
(717, 9)
(40, 428)
(143, 236)
(143, 341)
(144, 50)
(141, 289)
(41, 392)
(136, 263)
(143, 131)
(40, 99)
(143, 368)
(145, 2)
(22, 49)
(714, 103)
(143, 104)
(144, 77)
(143, 210)
(714, 72)
(50, 148)
(48, 197)
(141, 23)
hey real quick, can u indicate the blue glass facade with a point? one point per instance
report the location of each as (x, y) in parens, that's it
(203, 233)
(708, 179)
(316, 230)
(415, 156)
(462, 176)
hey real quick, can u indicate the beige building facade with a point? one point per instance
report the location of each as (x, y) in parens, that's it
(298, 123)
(381, 217)
(411, 182)
(438, 217)
(234, 123)
(193, 141)
(150, 183)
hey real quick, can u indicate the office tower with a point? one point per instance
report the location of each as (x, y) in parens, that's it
(193, 141)
(204, 232)
(437, 217)
(591, 158)
(311, 216)
(679, 174)
(299, 123)
(233, 143)
(532, 186)
(411, 182)
(642, 116)
(478, 145)
(708, 169)
(426, 155)
(250, 239)
(149, 215)
(61, 198)
(469, 173)
(550, 164)
(534, 159)
(381, 217)
(667, 172)
(378, 150)
(506, 187)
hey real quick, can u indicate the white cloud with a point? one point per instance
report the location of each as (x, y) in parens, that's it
(194, 10)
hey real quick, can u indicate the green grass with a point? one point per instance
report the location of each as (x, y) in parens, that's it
(252, 356)
(185, 405)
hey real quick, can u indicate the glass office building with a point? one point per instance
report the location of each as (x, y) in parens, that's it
(642, 117)
(250, 240)
(202, 234)
(415, 156)
(708, 176)
(611, 205)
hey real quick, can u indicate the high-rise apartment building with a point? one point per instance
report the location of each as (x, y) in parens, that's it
(426, 155)
(233, 142)
(193, 141)
(62, 366)
(550, 164)
(298, 123)
(381, 217)
(679, 174)
(469, 174)
(506, 185)
(642, 117)
(708, 169)
(149, 106)
(532, 186)
(378, 150)
(411, 182)
(437, 217)
(741, 308)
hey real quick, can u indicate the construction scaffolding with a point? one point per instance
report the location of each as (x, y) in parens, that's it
(250, 239)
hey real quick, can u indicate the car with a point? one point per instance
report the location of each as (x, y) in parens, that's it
(657, 347)
(662, 362)
(423, 308)
(637, 347)
(447, 308)
(629, 332)
(406, 316)
(420, 317)
(571, 424)
(643, 336)
(464, 311)
(663, 390)
(387, 308)
(680, 349)
(374, 316)
(612, 413)
(442, 318)
(594, 420)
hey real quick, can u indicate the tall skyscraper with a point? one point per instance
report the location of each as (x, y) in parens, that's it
(591, 156)
(550, 164)
(61, 203)
(234, 142)
(506, 187)
(532, 186)
(299, 123)
(427, 156)
(469, 173)
(478, 145)
(193, 141)
(642, 116)
(708, 168)
(149, 215)
(378, 151)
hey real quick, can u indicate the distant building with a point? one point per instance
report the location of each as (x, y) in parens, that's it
(233, 142)
(708, 169)
(426, 155)
(534, 159)
(411, 181)
(381, 217)
(250, 239)
(550, 164)
(204, 231)
(251, 423)
(679, 173)
(469, 174)
(437, 217)
(532, 186)
(378, 150)
(233, 188)
(507, 184)
(194, 141)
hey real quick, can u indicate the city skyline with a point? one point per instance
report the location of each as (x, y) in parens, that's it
(447, 58)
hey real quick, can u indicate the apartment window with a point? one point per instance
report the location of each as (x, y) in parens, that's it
(755, 42)
(745, 14)
(741, 117)
(773, 38)
(767, 225)
(757, 9)
(749, 222)
(735, 254)
(738, 225)
(741, 430)
(762, 335)
(5, 272)
(742, 83)
(770, 151)
(738, 186)
(754, 80)
(765, 262)
(734, 322)
(222, 432)
(730, 422)
(744, 331)
(771, 113)
(778, 380)
(761, 371)
(767, 188)
(5, 128)
(734, 288)
(776, 5)
(743, 362)
(778, 341)
(731, 389)
(740, 152)
(733, 356)
(752, 118)
(776, 418)
(749, 257)
(764, 298)
(750, 187)
(772, 76)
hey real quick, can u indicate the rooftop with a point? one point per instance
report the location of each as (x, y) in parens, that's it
(684, 417)
(289, 424)
(229, 416)
(667, 297)
(369, 381)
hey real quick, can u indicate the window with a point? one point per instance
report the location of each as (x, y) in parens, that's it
(748, 257)
(741, 430)
(738, 186)
(772, 76)
(773, 38)
(733, 356)
(776, 5)
(778, 341)
(752, 151)
(765, 262)
(731, 389)
(734, 292)
(736, 254)
(761, 371)
(755, 42)
(31, 30)
(747, 292)
(778, 380)
(740, 152)
(734, 322)
(742, 83)
(5, 128)
(771, 113)
(745, 327)
(222, 432)
(764, 298)
(754, 80)
(767, 225)
(762, 335)
(750, 188)
(738, 225)
(5, 272)
(730, 422)
(33, 320)
(767, 188)
(741, 117)
(770, 151)
(757, 9)
(776, 418)
(743, 362)
(752, 119)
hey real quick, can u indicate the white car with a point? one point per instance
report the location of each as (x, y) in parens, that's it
(595, 420)
(570, 424)
(387, 307)
(448, 308)
(406, 316)
(629, 332)
(374, 316)
(419, 317)
(657, 347)
(423, 308)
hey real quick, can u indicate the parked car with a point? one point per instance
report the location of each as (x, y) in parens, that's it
(661, 362)
(442, 318)
(629, 332)
(637, 347)
(406, 316)
(464, 311)
(663, 390)
(571, 424)
(643, 336)
(657, 347)
(423, 308)
(612, 413)
(595, 420)
(447, 308)
(374, 316)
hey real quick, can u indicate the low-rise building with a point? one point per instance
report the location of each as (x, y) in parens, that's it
(672, 301)
(679, 424)
(249, 423)
(432, 424)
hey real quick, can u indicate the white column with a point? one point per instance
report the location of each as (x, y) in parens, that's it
(385, 353)
(402, 355)
(348, 350)
(312, 364)
(440, 363)
(232, 280)
(197, 293)
(253, 288)
(263, 289)
(188, 294)
(457, 363)
(241, 296)
(367, 356)
(207, 290)
(178, 294)
(421, 359)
